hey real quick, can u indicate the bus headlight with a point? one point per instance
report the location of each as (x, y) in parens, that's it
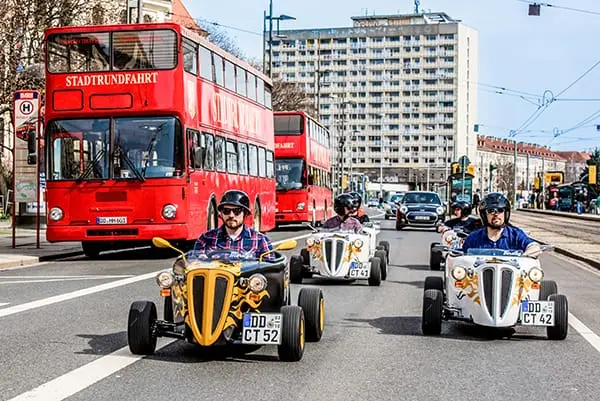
(257, 282)
(169, 211)
(536, 275)
(300, 206)
(164, 279)
(56, 214)
(459, 273)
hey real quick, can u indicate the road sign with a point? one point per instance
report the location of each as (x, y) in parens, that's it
(464, 162)
(27, 105)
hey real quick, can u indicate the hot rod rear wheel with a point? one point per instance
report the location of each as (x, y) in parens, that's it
(313, 305)
(386, 246)
(434, 283)
(561, 318)
(431, 322)
(547, 288)
(435, 260)
(375, 274)
(140, 328)
(291, 348)
(296, 266)
(384, 262)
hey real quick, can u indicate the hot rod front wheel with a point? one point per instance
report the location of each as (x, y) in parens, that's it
(311, 301)
(140, 328)
(433, 302)
(291, 348)
(375, 273)
(561, 318)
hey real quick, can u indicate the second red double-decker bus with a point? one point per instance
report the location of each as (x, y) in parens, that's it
(146, 126)
(302, 168)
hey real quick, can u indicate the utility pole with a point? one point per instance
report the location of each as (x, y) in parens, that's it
(140, 7)
(515, 176)
(270, 37)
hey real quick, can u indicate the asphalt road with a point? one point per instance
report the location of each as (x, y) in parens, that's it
(63, 334)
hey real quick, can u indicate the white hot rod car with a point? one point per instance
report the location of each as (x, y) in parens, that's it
(494, 288)
(343, 255)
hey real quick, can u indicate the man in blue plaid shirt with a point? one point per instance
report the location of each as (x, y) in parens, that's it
(234, 234)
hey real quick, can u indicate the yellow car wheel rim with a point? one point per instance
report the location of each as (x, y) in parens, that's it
(322, 314)
(301, 334)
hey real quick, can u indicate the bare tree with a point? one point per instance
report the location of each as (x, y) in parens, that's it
(219, 37)
(288, 96)
(505, 178)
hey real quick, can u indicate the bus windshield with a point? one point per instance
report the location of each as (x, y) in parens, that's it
(289, 173)
(142, 147)
(288, 124)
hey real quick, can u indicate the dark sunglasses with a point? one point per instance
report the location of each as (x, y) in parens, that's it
(495, 210)
(237, 211)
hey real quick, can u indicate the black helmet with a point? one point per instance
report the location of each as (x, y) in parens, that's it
(341, 201)
(235, 198)
(357, 199)
(494, 200)
(465, 208)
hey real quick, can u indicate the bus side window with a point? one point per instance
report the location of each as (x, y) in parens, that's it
(262, 171)
(270, 167)
(243, 158)
(208, 151)
(253, 159)
(220, 155)
(194, 149)
(190, 56)
(311, 180)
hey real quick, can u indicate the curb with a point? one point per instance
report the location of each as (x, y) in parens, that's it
(571, 254)
(23, 261)
(561, 214)
(56, 256)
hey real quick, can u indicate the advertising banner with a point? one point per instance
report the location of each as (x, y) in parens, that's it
(27, 107)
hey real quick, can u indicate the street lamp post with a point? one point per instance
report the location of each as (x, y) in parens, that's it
(270, 17)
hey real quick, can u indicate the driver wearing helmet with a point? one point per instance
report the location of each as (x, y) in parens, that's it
(494, 211)
(343, 205)
(233, 234)
(463, 220)
(357, 213)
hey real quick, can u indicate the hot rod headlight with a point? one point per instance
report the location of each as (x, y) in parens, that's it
(310, 241)
(536, 275)
(459, 273)
(357, 243)
(257, 282)
(164, 279)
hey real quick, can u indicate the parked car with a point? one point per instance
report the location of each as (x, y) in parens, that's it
(373, 202)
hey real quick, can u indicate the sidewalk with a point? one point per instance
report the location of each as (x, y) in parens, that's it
(26, 253)
(584, 216)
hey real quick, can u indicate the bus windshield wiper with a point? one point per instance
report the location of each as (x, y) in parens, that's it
(91, 166)
(129, 163)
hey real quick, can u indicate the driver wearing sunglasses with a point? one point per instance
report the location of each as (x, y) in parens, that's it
(496, 232)
(233, 234)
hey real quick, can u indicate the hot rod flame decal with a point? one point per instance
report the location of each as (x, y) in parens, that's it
(523, 287)
(316, 251)
(470, 288)
(243, 300)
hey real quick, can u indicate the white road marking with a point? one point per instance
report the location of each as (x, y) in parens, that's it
(79, 379)
(50, 280)
(92, 290)
(4, 303)
(74, 276)
(585, 332)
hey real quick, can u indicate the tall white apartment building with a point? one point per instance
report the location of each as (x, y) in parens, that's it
(401, 90)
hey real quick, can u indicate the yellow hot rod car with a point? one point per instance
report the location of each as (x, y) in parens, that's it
(223, 298)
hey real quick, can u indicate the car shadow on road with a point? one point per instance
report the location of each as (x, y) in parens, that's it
(103, 344)
(184, 352)
(416, 284)
(411, 326)
(413, 267)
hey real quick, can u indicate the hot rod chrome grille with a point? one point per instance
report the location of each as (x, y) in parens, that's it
(334, 254)
(497, 293)
(198, 298)
(220, 292)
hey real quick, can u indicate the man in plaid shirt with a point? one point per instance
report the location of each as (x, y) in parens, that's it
(234, 234)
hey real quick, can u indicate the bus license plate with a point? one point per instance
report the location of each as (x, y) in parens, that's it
(111, 220)
(537, 313)
(262, 328)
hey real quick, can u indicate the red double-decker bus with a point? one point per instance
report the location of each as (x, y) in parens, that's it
(146, 126)
(302, 169)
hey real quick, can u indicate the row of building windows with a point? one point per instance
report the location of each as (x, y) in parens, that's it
(373, 39)
(199, 60)
(215, 153)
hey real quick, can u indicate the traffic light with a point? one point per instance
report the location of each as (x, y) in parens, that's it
(536, 183)
(344, 181)
(476, 127)
(455, 168)
(534, 9)
(592, 175)
(471, 169)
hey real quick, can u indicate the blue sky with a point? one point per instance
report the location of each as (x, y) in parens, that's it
(516, 51)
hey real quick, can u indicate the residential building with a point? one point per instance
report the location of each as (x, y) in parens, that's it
(532, 161)
(575, 164)
(402, 90)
